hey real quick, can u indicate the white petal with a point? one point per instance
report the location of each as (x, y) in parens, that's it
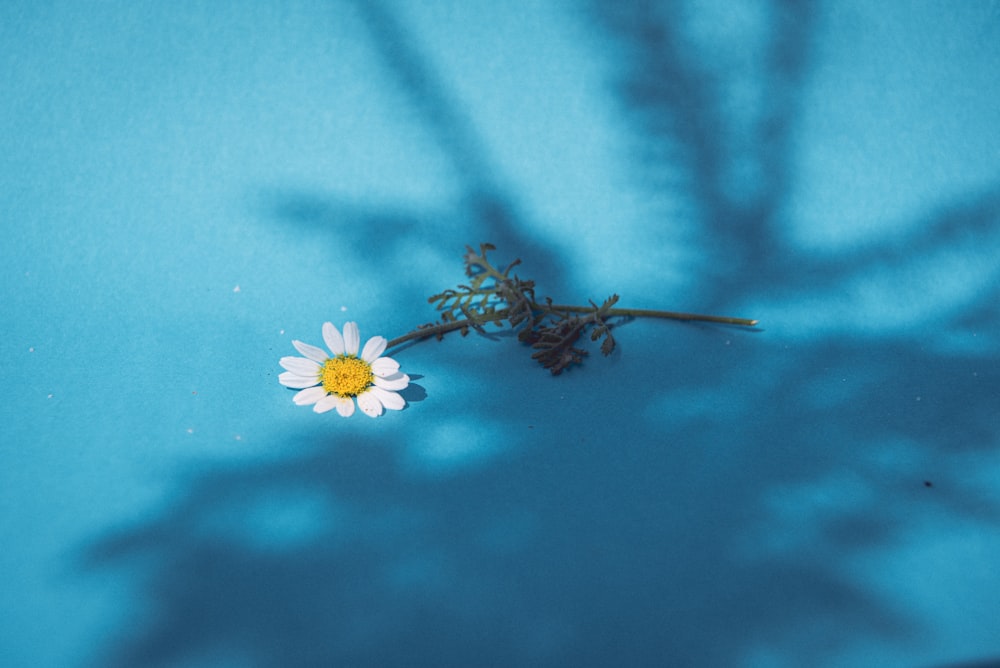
(351, 338)
(345, 406)
(385, 366)
(397, 381)
(373, 348)
(390, 400)
(310, 395)
(326, 403)
(295, 381)
(369, 404)
(334, 341)
(317, 355)
(300, 366)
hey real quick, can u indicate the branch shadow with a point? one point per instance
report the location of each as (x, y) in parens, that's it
(693, 516)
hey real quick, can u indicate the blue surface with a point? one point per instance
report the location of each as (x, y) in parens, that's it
(185, 189)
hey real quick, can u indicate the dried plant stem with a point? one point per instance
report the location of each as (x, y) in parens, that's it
(502, 314)
(647, 313)
(494, 295)
(445, 327)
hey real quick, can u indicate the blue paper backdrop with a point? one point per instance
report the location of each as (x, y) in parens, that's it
(186, 187)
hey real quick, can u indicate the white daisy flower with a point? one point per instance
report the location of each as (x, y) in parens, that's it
(337, 380)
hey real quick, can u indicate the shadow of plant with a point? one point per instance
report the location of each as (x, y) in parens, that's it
(692, 510)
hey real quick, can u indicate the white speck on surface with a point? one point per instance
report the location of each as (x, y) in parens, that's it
(281, 332)
(236, 289)
(238, 437)
(49, 396)
(190, 430)
(343, 308)
(31, 349)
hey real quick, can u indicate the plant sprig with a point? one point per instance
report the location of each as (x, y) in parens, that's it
(494, 296)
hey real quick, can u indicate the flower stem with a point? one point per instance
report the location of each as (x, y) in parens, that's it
(443, 328)
(671, 315)
(502, 314)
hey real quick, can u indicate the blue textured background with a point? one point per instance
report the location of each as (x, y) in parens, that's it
(185, 187)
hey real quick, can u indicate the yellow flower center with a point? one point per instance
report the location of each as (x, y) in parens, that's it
(346, 376)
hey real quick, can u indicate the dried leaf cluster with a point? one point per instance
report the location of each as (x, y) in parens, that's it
(495, 296)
